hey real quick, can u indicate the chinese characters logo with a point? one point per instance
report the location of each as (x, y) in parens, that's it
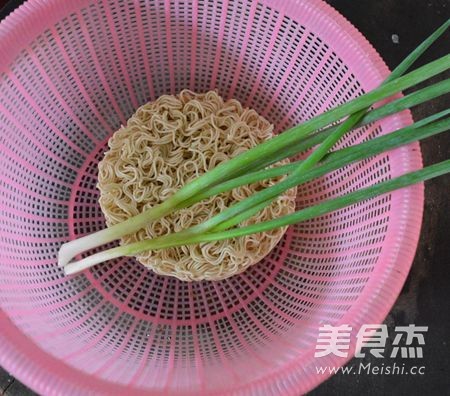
(371, 339)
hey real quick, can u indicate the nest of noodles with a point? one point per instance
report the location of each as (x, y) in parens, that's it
(166, 144)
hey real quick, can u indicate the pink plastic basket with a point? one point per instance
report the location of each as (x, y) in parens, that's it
(71, 73)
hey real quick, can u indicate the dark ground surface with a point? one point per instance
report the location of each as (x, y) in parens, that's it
(424, 298)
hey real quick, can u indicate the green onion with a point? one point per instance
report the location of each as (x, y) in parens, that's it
(427, 173)
(406, 102)
(249, 166)
(344, 156)
(332, 162)
(179, 239)
(293, 180)
(396, 106)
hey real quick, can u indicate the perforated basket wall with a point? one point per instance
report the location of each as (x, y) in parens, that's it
(71, 73)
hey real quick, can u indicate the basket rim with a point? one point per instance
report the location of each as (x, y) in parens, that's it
(36, 367)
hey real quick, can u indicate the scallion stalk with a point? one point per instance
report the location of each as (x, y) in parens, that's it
(332, 162)
(345, 156)
(181, 239)
(292, 180)
(249, 166)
